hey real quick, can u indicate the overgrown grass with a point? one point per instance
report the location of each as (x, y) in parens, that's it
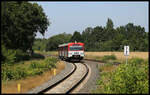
(54, 53)
(12, 56)
(19, 71)
(106, 58)
(37, 56)
(131, 78)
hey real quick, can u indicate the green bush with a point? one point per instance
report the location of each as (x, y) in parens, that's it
(18, 71)
(13, 73)
(47, 63)
(36, 55)
(11, 56)
(34, 72)
(35, 64)
(39, 67)
(20, 55)
(52, 59)
(129, 78)
(136, 61)
(108, 57)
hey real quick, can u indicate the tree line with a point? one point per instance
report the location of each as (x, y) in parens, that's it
(102, 38)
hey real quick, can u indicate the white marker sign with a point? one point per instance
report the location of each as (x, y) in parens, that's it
(126, 50)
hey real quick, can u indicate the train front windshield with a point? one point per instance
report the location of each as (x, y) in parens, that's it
(76, 48)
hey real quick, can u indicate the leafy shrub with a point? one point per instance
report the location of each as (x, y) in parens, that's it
(129, 78)
(40, 67)
(109, 64)
(34, 72)
(20, 55)
(18, 71)
(108, 57)
(47, 63)
(10, 73)
(35, 64)
(36, 55)
(11, 56)
(136, 61)
(51, 61)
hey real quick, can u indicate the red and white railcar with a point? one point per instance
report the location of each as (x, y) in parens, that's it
(71, 51)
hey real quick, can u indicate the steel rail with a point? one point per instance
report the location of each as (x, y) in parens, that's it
(87, 71)
(76, 84)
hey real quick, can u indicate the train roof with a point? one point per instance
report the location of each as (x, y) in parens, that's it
(66, 44)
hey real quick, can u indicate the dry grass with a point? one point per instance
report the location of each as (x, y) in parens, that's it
(119, 55)
(108, 68)
(31, 82)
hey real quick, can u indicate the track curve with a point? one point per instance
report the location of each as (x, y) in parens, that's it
(70, 82)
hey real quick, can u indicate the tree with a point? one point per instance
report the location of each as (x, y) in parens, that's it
(40, 44)
(54, 41)
(110, 32)
(109, 24)
(118, 38)
(86, 36)
(96, 38)
(21, 21)
(98, 34)
(76, 37)
(107, 46)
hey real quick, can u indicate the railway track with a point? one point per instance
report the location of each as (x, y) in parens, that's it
(70, 82)
(74, 88)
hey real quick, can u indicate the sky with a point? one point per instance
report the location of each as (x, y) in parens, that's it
(77, 16)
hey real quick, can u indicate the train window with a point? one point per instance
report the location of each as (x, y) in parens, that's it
(76, 48)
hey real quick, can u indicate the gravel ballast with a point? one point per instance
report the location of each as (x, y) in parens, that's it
(91, 82)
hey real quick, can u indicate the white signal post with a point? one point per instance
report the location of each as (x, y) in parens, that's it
(126, 52)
